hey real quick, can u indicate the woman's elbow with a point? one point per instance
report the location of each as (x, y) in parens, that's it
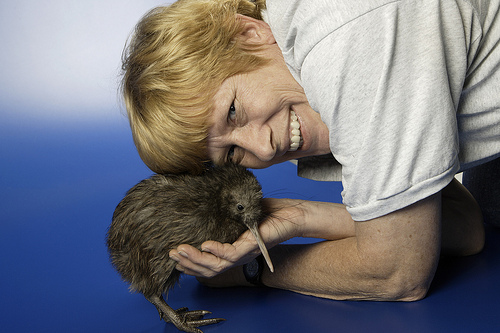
(410, 290)
(404, 288)
(405, 281)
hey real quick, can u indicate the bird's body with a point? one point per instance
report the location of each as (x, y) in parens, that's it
(163, 211)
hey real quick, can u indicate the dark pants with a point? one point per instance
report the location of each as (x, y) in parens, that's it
(483, 182)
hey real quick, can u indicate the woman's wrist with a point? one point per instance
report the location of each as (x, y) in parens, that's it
(326, 220)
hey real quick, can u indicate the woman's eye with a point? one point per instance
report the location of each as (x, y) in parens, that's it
(232, 112)
(230, 154)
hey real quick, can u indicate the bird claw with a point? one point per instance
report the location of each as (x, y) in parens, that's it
(189, 321)
(193, 315)
(182, 318)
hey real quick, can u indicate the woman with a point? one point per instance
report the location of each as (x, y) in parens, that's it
(403, 93)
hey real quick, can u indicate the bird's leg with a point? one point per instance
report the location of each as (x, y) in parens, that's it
(184, 320)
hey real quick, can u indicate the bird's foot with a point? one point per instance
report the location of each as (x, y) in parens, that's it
(189, 321)
(183, 319)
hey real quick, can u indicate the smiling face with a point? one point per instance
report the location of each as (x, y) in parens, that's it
(263, 117)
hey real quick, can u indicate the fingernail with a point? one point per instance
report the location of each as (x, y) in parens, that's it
(173, 257)
(179, 268)
(184, 254)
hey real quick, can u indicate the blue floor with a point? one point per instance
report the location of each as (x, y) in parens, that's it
(58, 189)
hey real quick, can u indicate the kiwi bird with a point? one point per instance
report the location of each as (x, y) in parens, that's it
(163, 211)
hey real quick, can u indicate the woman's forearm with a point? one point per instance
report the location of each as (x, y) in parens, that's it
(328, 269)
(393, 257)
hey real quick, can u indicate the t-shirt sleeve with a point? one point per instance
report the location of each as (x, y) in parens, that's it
(387, 84)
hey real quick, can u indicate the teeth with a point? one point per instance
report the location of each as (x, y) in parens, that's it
(296, 139)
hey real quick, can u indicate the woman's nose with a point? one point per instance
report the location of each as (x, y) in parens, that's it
(258, 141)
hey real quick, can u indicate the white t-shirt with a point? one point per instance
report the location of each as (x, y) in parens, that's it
(410, 90)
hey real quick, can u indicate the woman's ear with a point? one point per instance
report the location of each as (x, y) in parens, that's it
(255, 32)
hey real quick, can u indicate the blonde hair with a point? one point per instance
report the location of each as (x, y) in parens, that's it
(174, 63)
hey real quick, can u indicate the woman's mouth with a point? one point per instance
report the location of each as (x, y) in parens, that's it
(296, 137)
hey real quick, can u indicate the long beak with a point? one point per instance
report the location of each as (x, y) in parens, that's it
(262, 247)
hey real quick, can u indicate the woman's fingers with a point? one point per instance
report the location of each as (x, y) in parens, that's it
(222, 250)
(194, 262)
(244, 247)
(216, 257)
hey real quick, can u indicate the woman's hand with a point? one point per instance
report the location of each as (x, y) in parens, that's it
(285, 222)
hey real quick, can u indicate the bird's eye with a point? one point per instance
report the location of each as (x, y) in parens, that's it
(240, 207)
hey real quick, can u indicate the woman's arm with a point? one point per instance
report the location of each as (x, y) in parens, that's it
(393, 257)
(389, 258)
